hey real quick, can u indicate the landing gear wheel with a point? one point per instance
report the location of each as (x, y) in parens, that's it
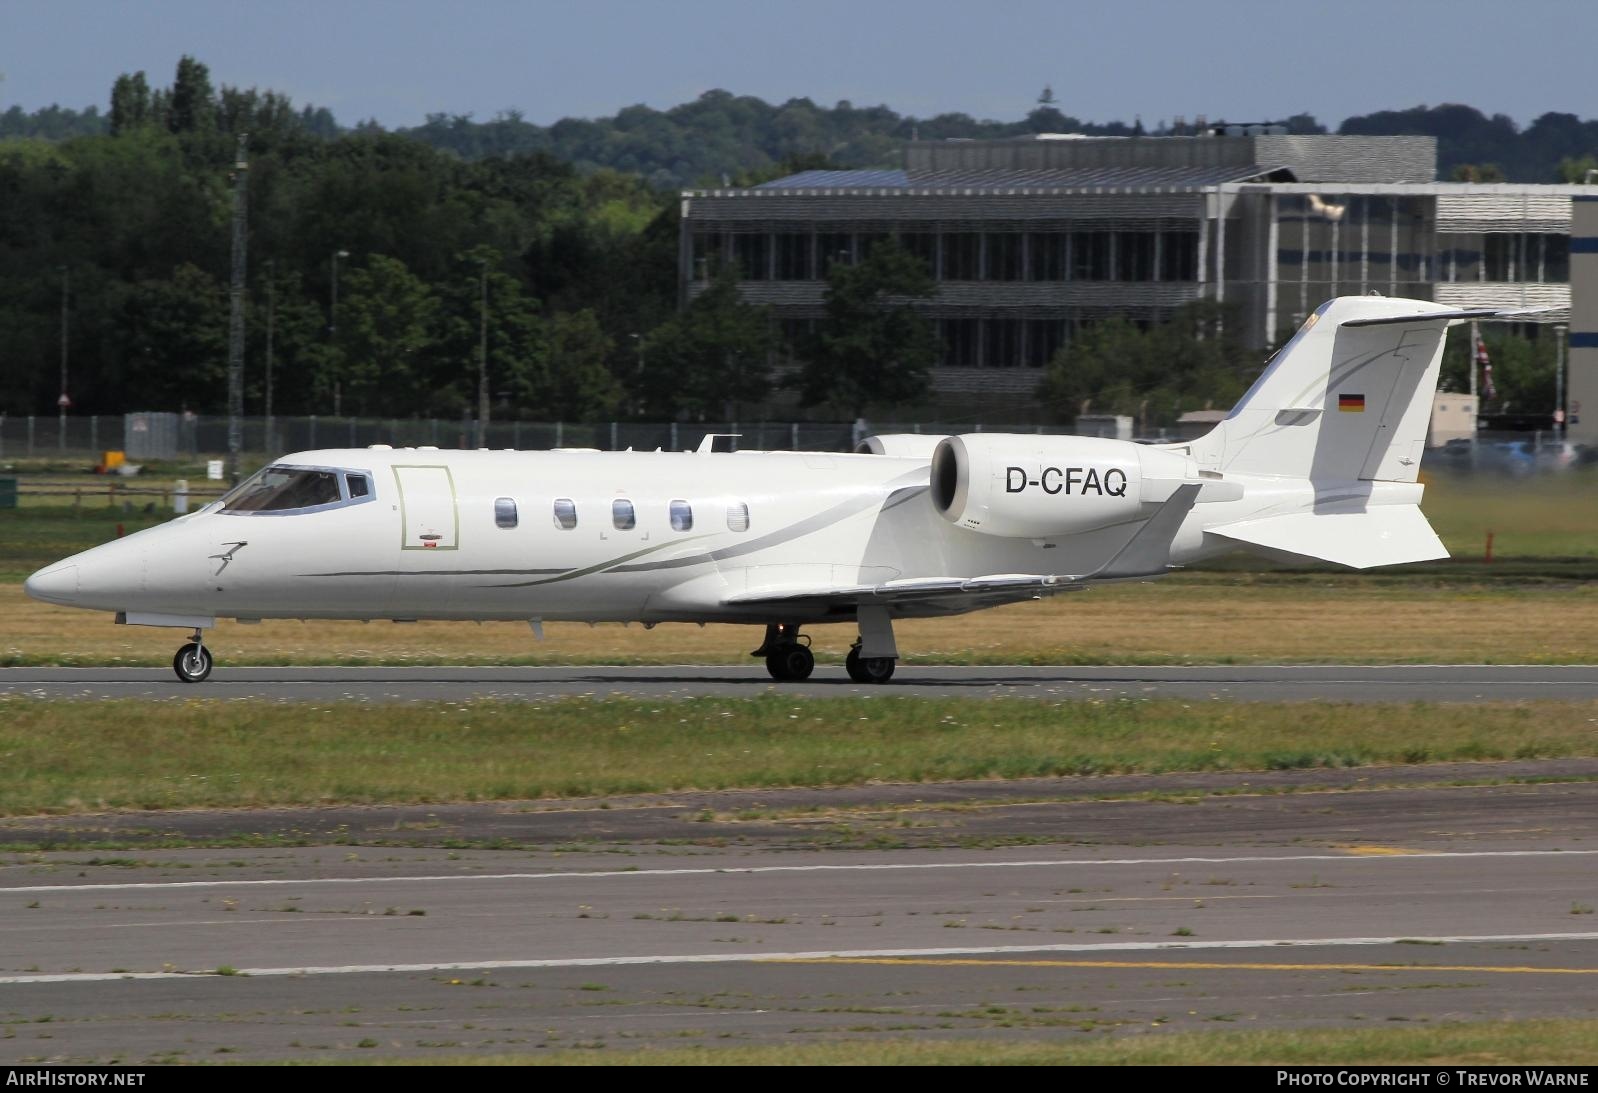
(193, 663)
(791, 663)
(869, 669)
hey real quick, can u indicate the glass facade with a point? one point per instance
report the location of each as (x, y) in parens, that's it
(1278, 254)
(1534, 257)
(1349, 244)
(1158, 253)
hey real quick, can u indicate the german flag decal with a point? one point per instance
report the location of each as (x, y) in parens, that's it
(1351, 404)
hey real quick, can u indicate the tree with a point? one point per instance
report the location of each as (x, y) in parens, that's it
(385, 325)
(176, 334)
(1578, 170)
(576, 384)
(515, 337)
(712, 358)
(1523, 370)
(301, 357)
(192, 108)
(1190, 362)
(873, 346)
(130, 103)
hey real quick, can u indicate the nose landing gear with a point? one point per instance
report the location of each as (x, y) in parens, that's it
(193, 662)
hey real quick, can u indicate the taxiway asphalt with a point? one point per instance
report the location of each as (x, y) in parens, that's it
(1265, 910)
(1265, 683)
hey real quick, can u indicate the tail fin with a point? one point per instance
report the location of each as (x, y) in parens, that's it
(1345, 404)
(1348, 398)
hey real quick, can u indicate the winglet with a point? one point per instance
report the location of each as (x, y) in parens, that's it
(1148, 553)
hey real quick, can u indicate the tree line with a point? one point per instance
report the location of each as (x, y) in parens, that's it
(573, 251)
(722, 135)
(376, 265)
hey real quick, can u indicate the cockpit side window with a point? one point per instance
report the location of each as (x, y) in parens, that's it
(282, 490)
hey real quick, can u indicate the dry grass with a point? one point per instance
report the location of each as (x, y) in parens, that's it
(1195, 619)
(1495, 1043)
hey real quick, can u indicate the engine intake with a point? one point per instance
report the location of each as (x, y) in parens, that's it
(1038, 487)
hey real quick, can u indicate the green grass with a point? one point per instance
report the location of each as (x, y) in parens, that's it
(72, 757)
(1557, 1042)
(35, 536)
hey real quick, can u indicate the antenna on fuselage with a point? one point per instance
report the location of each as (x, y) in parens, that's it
(718, 442)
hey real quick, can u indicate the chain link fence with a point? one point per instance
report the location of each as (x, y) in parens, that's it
(193, 437)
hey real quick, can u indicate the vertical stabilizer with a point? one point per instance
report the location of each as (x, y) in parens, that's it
(1348, 398)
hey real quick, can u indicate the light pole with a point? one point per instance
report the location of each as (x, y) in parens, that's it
(1561, 334)
(63, 401)
(332, 330)
(271, 316)
(482, 357)
(235, 349)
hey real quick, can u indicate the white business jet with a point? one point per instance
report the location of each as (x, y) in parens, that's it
(1318, 461)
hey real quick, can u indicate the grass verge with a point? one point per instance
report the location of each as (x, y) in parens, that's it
(1497, 1043)
(70, 757)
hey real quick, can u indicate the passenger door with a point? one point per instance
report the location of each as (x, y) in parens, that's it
(429, 517)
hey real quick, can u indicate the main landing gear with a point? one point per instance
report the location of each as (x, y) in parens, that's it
(193, 662)
(787, 653)
(789, 659)
(868, 669)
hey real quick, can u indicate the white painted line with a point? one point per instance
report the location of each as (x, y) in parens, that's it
(835, 954)
(459, 878)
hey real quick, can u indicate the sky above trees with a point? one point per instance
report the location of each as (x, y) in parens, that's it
(400, 60)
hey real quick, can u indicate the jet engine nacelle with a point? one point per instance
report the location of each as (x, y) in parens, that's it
(1037, 487)
(900, 445)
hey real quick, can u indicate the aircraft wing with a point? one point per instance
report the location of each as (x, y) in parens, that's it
(1146, 554)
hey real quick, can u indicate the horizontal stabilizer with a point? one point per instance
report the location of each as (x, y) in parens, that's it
(1389, 535)
(1457, 315)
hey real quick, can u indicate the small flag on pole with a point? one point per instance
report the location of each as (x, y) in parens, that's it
(1485, 363)
(1351, 404)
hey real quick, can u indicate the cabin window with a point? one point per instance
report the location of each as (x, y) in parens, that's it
(565, 513)
(504, 512)
(738, 517)
(358, 485)
(622, 514)
(682, 516)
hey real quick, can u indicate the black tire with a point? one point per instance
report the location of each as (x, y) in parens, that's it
(791, 663)
(192, 663)
(869, 669)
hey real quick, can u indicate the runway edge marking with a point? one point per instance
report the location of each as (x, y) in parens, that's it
(757, 869)
(798, 957)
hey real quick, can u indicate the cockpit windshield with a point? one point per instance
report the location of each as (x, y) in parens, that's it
(283, 489)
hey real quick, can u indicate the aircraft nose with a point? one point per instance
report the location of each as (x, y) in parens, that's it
(54, 584)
